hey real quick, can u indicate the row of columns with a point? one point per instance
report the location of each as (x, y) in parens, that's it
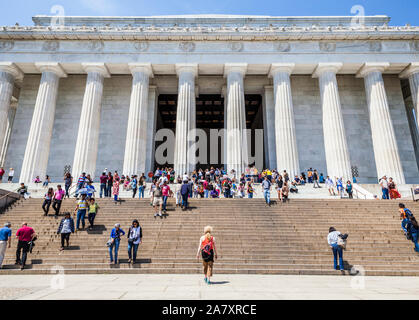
(138, 134)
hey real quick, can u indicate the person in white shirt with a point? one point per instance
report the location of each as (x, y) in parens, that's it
(384, 187)
(11, 174)
(185, 177)
(332, 240)
(330, 185)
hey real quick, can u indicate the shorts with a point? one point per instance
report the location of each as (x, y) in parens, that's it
(10, 178)
(158, 201)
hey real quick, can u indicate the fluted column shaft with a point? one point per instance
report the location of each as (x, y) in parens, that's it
(237, 153)
(285, 136)
(335, 144)
(35, 160)
(414, 89)
(184, 159)
(85, 155)
(136, 142)
(9, 125)
(8, 73)
(386, 152)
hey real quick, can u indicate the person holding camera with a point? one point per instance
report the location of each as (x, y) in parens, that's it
(25, 236)
(114, 242)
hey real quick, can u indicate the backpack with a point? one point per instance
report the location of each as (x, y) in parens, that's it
(342, 241)
(207, 250)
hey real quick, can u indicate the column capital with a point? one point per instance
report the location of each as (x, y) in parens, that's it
(411, 69)
(97, 67)
(281, 67)
(141, 67)
(327, 67)
(235, 67)
(53, 67)
(11, 68)
(369, 67)
(187, 67)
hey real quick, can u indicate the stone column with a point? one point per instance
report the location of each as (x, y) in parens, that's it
(412, 72)
(35, 161)
(237, 155)
(9, 125)
(151, 127)
(136, 142)
(386, 152)
(184, 158)
(9, 72)
(269, 127)
(335, 144)
(85, 154)
(286, 139)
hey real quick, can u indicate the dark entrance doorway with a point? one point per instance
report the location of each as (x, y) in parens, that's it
(209, 115)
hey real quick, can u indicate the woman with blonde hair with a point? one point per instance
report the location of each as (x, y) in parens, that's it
(208, 251)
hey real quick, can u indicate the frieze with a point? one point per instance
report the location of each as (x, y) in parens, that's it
(141, 46)
(375, 46)
(327, 46)
(96, 46)
(6, 45)
(236, 46)
(187, 46)
(51, 46)
(283, 47)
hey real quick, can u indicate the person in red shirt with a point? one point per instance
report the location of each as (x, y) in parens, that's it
(25, 234)
(166, 193)
(1, 174)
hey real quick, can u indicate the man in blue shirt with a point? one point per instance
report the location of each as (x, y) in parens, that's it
(5, 240)
(266, 186)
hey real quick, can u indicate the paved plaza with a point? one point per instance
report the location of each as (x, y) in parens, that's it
(192, 287)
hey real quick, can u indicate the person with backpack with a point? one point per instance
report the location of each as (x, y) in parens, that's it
(208, 251)
(405, 214)
(413, 230)
(332, 240)
(114, 242)
(135, 235)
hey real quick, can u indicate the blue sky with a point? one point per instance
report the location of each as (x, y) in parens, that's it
(401, 11)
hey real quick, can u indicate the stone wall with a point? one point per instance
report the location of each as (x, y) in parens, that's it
(308, 118)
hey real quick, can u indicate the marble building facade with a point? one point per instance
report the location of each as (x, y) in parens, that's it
(336, 94)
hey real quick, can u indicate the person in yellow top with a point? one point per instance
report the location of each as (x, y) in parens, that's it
(93, 209)
(81, 209)
(269, 175)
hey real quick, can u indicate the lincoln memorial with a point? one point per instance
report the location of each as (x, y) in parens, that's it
(339, 94)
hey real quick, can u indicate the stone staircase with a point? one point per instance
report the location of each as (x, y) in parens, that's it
(251, 238)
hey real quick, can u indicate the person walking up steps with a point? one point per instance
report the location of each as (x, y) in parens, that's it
(208, 251)
(5, 241)
(65, 229)
(24, 235)
(332, 240)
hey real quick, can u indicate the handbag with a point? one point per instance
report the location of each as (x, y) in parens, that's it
(109, 243)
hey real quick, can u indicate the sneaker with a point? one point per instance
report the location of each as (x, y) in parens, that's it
(155, 215)
(205, 280)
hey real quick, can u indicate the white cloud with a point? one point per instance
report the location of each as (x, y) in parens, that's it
(104, 7)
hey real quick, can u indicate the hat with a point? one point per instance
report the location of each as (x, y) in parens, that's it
(7, 224)
(117, 225)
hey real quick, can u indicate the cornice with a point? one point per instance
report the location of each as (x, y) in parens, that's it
(205, 33)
